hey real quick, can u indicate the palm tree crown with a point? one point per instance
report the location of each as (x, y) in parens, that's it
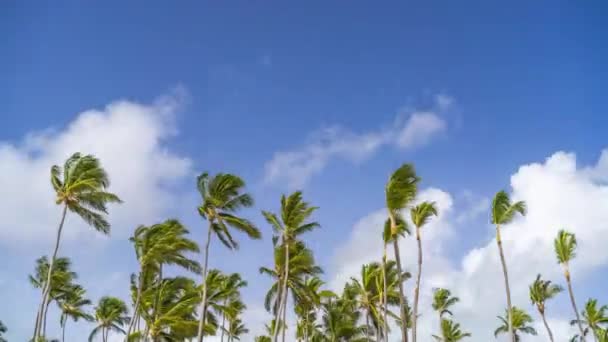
(565, 246)
(443, 300)
(541, 291)
(111, 315)
(521, 323)
(503, 211)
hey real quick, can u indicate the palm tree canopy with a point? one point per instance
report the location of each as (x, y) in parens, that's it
(503, 211)
(451, 332)
(294, 217)
(443, 300)
(521, 321)
(593, 316)
(541, 291)
(565, 246)
(401, 188)
(421, 213)
(81, 185)
(222, 196)
(399, 229)
(61, 275)
(73, 303)
(110, 314)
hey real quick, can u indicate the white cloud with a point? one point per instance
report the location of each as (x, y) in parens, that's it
(129, 138)
(558, 194)
(410, 130)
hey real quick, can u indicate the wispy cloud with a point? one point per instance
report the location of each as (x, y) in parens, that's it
(410, 129)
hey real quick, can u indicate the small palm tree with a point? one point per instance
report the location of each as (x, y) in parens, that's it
(222, 197)
(368, 295)
(451, 332)
(111, 315)
(565, 249)
(400, 190)
(503, 212)
(72, 305)
(236, 329)
(80, 187)
(442, 301)
(420, 215)
(540, 292)
(520, 323)
(232, 286)
(594, 317)
(294, 222)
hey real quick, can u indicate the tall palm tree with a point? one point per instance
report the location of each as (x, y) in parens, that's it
(3, 330)
(232, 286)
(442, 301)
(111, 315)
(594, 317)
(401, 190)
(72, 305)
(368, 295)
(80, 187)
(161, 244)
(294, 222)
(503, 212)
(520, 323)
(222, 196)
(540, 292)
(565, 249)
(420, 215)
(451, 332)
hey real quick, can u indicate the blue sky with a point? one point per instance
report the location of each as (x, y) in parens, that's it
(525, 80)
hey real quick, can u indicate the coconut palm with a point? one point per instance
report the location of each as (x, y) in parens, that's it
(594, 317)
(339, 321)
(450, 332)
(503, 212)
(308, 299)
(293, 222)
(3, 330)
(236, 328)
(442, 301)
(520, 323)
(368, 295)
(401, 190)
(565, 249)
(222, 196)
(263, 339)
(111, 315)
(420, 215)
(80, 187)
(232, 303)
(72, 304)
(540, 292)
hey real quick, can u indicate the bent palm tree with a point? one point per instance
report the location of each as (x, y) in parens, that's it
(72, 305)
(565, 249)
(400, 191)
(503, 212)
(450, 332)
(420, 215)
(295, 213)
(520, 323)
(80, 186)
(222, 196)
(540, 292)
(111, 315)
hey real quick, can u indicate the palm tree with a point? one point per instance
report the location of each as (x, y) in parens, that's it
(520, 323)
(80, 186)
(222, 197)
(72, 305)
(236, 329)
(340, 320)
(565, 249)
(161, 244)
(420, 215)
(232, 286)
(594, 318)
(540, 292)
(295, 213)
(442, 301)
(503, 212)
(400, 190)
(111, 315)
(368, 295)
(3, 330)
(308, 299)
(450, 332)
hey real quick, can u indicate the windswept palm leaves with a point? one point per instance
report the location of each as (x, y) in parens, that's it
(540, 292)
(442, 301)
(110, 315)
(72, 304)
(594, 318)
(451, 332)
(520, 323)
(503, 212)
(80, 186)
(222, 196)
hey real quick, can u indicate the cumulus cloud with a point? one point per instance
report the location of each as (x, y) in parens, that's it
(411, 129)
(559, 194)
(130, 140)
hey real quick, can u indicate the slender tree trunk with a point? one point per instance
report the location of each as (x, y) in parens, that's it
(367, 329)
(542, 315)
(417, 291)
(46, 309)
(285, 314)
(203, 313)
(384, 295)
(103, 335)
(223, 322)
(573, 301)
(441, 330)
(402, 300)
(63, 330)
(157, 299)
(507, 288)
(135, 308)
(47, 285)
(283, 304)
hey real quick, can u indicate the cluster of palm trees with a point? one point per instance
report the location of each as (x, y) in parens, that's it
(184, 308)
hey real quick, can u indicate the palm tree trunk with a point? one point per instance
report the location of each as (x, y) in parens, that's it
(223, 322)
(283, 300)
(441, 330)
(46, 309)
(63, 330)
(384, 295)
(135, 308)
(542, 315)
(157, 299)
(402, 300)
(367, 329)
(47, 285)
(285, 314)
(203, 313)
(417, 291)
(573, 301)
(507, 288)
